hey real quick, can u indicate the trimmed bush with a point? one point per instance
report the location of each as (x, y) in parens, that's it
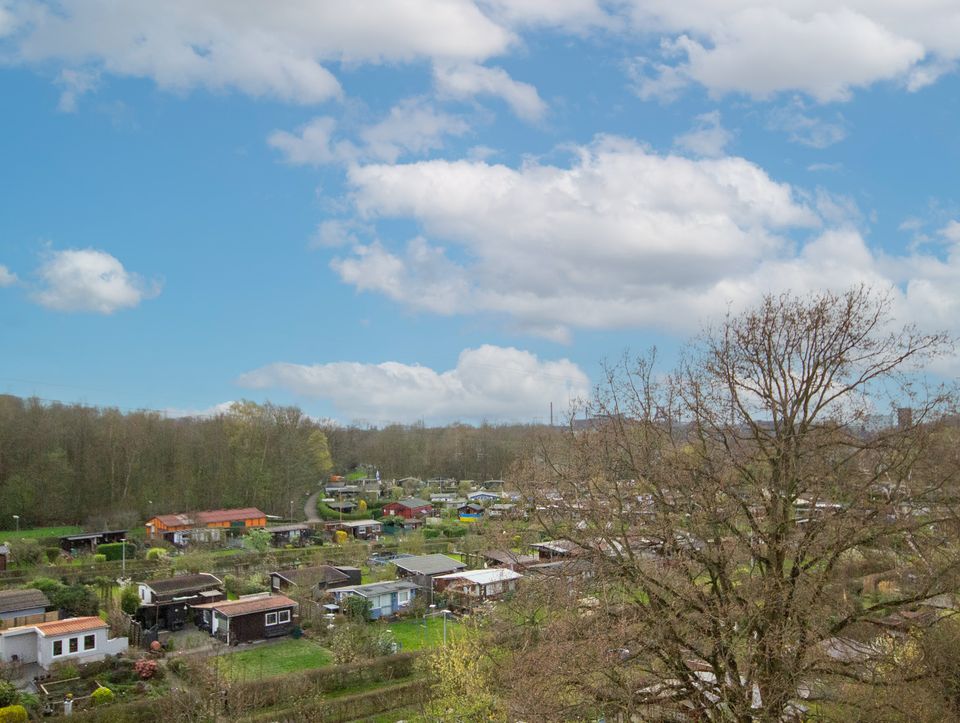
(156, 553)
(14, 714)
(99, 557)
(52, 553)
(102, 696)
(114, 550)
(8, 693)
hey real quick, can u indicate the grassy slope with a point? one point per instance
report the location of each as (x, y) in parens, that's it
(265, 661)
(412, 635)
(38, 532)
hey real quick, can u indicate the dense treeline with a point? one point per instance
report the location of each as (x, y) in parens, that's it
(458, 450)
(77, 464)
(82, 465)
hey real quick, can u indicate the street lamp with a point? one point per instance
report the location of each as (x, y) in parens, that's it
(123, 557)
(291, 510)
(17, 518)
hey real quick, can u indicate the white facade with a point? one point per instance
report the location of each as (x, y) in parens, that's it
(41, 644)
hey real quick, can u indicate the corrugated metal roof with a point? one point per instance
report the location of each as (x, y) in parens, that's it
(208, 517)
(483, 577)
(429, 564)
(377, 588)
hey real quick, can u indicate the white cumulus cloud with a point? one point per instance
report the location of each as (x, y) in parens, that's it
(489, 382)
(466, 80)
(821, 48)
(89, 280)
(603, 243)
(707, 138)
(413, 127)
(262, 49)
(623, 237)
(7, 277)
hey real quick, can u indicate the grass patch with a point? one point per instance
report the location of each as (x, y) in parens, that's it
(413, 635)
(39, 533)
(265, 661)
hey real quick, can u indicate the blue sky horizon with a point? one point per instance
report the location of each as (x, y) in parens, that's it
(447, 210)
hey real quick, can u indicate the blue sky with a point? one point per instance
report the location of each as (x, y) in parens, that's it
(452, 209)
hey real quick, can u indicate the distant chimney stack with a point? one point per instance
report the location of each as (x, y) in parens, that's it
(904, 418)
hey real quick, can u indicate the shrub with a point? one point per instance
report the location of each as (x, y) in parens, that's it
(14, 714)
(26, 552)
(52, 553)
(356, 607)
(353, 642)
(145, 668)
(257, 540)
(114, 550)
(8, 693)
(99, 557)
(102, 695)
(156, 553)
(130, 600)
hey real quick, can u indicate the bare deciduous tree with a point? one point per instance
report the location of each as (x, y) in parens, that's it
(724, 515)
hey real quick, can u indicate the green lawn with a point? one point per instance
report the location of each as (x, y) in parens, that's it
(412, 635)
(267, 660)
(38, 532)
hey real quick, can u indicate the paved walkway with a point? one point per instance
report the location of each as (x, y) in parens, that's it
(310, 507)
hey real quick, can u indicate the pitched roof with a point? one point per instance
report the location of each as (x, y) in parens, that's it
(70, 625)
(310, 576)
(412, 503)
(429, 564)
(183, 583)
(509, 557)
(209, 517)
(14, 600)
(248, 606)
(241, 513)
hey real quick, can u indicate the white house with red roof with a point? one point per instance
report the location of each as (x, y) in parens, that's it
(80, 640)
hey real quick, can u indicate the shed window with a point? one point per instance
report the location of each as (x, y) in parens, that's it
(57, 647)
(74, 645)
(271, 618)
(283, 616)
(89, 642)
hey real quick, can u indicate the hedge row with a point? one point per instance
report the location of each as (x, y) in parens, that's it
(348, 707)
(269, 692)
(328, 513)
(251, 696)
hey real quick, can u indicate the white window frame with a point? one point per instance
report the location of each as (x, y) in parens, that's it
(70, 642)
(54, 648)
(271, 615)
(283, 616)
(93, 646)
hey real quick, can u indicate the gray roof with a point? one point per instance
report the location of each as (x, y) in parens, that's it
(429, 564)
(413, 502)
(378, 588)
(184, 583)
(310, 576)
(287, 528)
(14, 600)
